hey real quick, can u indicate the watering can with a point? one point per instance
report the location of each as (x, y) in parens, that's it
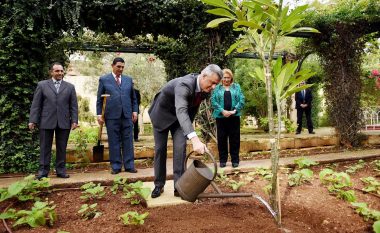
(196, 178)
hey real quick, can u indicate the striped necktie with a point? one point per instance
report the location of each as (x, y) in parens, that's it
(57, 84)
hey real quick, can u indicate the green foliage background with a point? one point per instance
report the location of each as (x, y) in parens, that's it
(31, 35)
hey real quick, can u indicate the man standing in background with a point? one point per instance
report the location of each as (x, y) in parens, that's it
(54, 110)
(303, 105)
(120, 113)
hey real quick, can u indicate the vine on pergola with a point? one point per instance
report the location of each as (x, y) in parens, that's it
(344, 29)
(31, 33)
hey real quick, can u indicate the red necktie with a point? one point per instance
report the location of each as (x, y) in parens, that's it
(197, 99)
(118, 80)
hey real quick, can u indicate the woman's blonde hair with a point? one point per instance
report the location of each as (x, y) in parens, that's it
(229, 72)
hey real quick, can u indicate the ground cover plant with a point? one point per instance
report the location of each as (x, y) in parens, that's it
(308, 207)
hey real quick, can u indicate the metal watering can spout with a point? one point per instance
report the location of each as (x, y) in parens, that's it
(196, 178)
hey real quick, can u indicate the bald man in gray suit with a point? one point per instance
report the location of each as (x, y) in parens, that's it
(55, 110)
(174, 109)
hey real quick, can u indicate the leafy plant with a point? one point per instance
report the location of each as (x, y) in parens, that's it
(235, 185)
(304, 162)
(372, 185)
(41, 214)
(117, 183)
(377, 165)
(133, 218)
(376, 226)
(354, 168)
(265, 173)
(81, 147)
(347, 195)
(136, 192)
(367, 213)
(89, 211)
(24, 190)
(300, 177)
(92, 191)
(221, 177)
(337, 183)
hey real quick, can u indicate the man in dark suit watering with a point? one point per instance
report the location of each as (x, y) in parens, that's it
(55, 110)
(120, 113)
(174, 109)
(303, 105)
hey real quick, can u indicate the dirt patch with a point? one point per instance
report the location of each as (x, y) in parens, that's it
(308, 208)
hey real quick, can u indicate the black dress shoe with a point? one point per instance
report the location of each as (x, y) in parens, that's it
(63, 176)
(312, 132)
(114, 172)
(131, 170)
(157, 191)
(298, 132)
(235, 164)
(39, 177)
(176, 193)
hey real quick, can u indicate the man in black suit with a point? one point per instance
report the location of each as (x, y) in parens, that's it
(303, 105)
(174, 109)
(136, 123)
(55, 110)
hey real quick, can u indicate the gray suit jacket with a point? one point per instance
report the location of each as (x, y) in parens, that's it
(174, 102)
(50, 108)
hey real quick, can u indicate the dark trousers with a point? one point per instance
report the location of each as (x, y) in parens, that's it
(46, 142)
(309, 123)
(120, 143)
(228, 130)
(136, 130)
(160, 153)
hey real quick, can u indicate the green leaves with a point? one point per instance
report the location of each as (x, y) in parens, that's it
(372, 185)
(376, 227)
(300, 176)
(337, 183)
(133, 218)
(89, 211)
(221, 12)
(92, 191)
(24, 190)
(285, 81)
(41, 214)
(217, 3)
(304, 162)
(214, 23)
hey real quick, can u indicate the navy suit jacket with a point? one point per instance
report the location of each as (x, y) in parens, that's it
(122, 100)
(300, 100)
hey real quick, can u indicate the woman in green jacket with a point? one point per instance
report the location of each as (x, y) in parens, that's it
(227, 101)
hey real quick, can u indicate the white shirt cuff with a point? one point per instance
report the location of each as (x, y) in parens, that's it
(191, 135)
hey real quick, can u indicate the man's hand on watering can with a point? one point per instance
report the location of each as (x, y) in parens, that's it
(198, 146)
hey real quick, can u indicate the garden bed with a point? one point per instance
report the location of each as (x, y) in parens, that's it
(305, 208)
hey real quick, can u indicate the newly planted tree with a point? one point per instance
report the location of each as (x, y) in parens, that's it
(261, 23)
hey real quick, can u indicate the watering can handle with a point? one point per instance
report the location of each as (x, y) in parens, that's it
(210, 156)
